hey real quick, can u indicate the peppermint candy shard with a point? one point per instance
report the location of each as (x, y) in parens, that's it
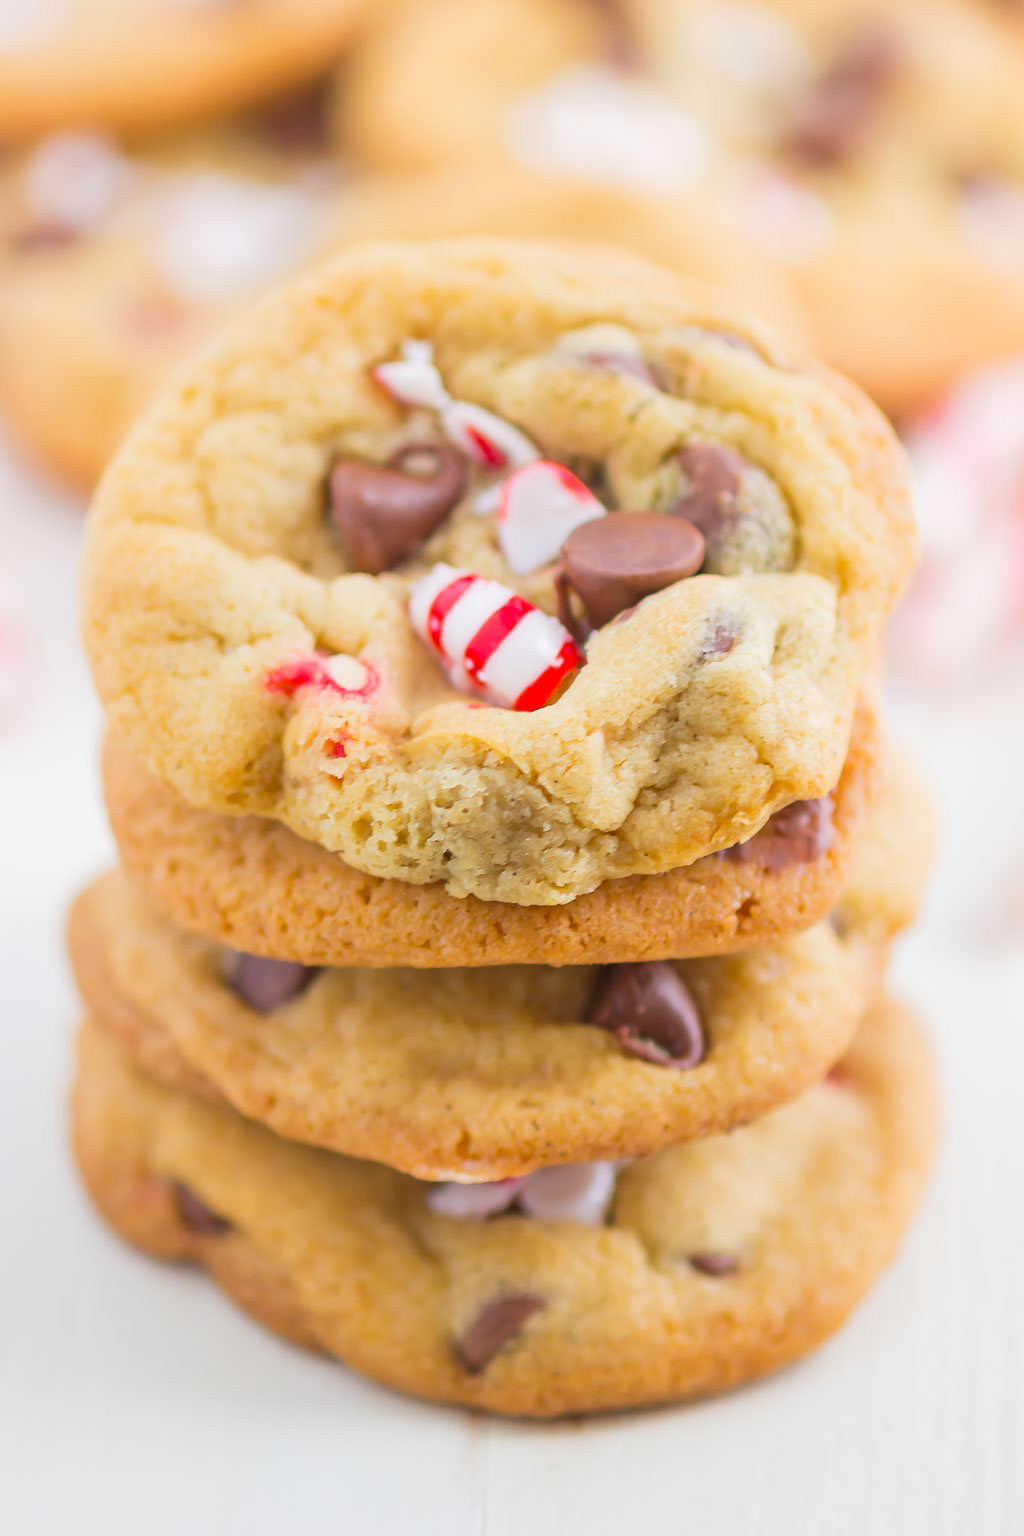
(486, 438)
(413, 379)
(491, 641)
(540, 506)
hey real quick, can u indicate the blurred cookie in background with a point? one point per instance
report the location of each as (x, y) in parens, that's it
(871, 152)
(114, 266)
(139, 65)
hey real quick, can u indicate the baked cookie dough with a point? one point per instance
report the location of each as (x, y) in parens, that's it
(721, 1260)
(322, 576)
(488, 1074)
(252, 885)
(874, 152)
(139, 65)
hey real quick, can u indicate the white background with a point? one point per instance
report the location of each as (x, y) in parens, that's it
(134, 1399)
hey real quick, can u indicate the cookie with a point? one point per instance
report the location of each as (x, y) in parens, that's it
(721, 1259)
(103, 295)
(873, 152)
(333, 579)
(201, 869)
(492, 1073)
(116, 264)
(117, 64)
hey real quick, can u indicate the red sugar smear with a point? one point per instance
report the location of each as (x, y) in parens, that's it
(311, 672)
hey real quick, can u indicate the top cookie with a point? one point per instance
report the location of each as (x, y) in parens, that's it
(322, 576)
(135, 66)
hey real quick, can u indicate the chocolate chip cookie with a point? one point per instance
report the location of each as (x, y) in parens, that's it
(489, 1073)
(355, 573)
(719, 1260)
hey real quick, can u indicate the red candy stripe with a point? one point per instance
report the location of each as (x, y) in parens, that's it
(492, 632)
(538, 693)
(442, 605)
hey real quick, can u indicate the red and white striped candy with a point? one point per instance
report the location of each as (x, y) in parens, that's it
(492, 641)
(540, 506)
(480, 435)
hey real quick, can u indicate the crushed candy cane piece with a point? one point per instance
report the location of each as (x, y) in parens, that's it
(492, 641)
(580, 1192)
(334, 674)
(540, 506)
(413, 379)
(472, 1202)
(492, 442)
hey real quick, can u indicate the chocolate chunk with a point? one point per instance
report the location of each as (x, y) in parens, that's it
(721, 639)
(648, 1008)
(51, 236)
(622, 362)
(296, 124)
(614, 561)
(714, 1263)
(714, 475)
(263, 984)
(838, 109)
(384, 512)
(495, 1327)
(197, 1216)
(798, 834)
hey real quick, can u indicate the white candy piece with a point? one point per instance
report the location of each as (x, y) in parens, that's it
(787, 220)
(579, 1192)
(472, 1202)
(492, 642)
(482, 436)
(414, 379)
(75, 179)
(540, 506)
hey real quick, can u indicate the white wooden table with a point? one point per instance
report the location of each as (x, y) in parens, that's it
(133, 1399)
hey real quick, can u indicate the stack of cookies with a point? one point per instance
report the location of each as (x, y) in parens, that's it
(492, 993)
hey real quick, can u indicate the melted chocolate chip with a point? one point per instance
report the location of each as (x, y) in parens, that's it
(838, 109)
(495, 1327)
(297, 123)
(714, 477)
(798, 834)
(721, 639)
(196, 1216)
(648, 1008)
(614, 561)
(384, 512)
(623, 362)
(263, 984)
(714, 1263)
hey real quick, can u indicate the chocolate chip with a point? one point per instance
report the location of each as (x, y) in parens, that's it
(623, 362)
(614, 561)
(714, 478)
(798, 834)
(384, 512)
(648, 1008)
(196, 1216)
(714, 1263)
(495, 1327)
(837, 110)
(722, 637)
(296, 124)
(263, 984)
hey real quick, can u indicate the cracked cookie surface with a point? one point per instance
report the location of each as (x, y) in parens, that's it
(721, 1259)
(248, 670)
